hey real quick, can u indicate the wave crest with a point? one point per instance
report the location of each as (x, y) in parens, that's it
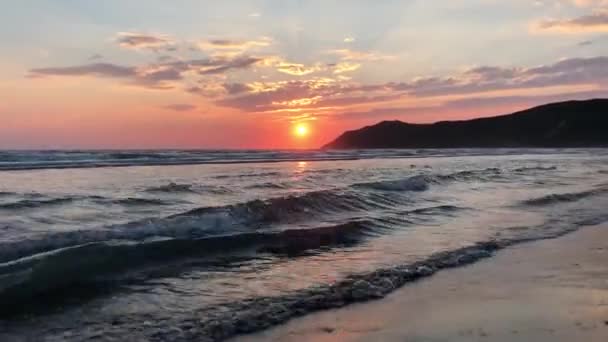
(564, 197)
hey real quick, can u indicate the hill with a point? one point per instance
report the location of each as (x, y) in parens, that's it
(564, 124)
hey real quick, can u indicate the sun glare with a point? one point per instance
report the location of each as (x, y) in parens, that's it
(301, 130)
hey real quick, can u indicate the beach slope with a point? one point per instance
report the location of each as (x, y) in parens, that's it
(551, 290)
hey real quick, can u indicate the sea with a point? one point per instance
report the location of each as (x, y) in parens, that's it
(203, 245)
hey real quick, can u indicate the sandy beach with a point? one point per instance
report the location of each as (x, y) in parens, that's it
(551, 290)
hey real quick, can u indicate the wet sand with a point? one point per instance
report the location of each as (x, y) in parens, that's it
(552, 290)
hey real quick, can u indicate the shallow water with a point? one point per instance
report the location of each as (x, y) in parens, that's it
(98, 252)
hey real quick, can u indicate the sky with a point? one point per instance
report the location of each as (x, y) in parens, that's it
(134, 74)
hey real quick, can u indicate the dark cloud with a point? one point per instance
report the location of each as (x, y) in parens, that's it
(96, 69)
(155, 78)
(237, 63)
(491, 72)
(132, 40)
(592, 65)
(573, 71)
(236, 88)
(153, 75)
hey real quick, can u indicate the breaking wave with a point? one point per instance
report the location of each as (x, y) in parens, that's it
(258, 313)
(564, 197)
(236, 218)
(87, 263)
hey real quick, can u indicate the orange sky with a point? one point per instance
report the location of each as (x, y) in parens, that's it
(77, 75)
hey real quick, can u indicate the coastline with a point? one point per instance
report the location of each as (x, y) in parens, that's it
(547, 290)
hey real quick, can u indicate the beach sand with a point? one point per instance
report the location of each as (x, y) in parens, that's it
(551, 290)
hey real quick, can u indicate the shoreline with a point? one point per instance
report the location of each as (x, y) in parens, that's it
(557, 291)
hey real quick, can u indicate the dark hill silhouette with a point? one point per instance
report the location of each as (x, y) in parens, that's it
(564, 124)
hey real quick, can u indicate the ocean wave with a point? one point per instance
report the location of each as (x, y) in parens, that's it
(137, 201)
(415, 183)
(171, 187)
(236, 218)
(261, 312)
(268, 185)
(472, 175)
(535, 168)
(421, 182)
(33, 203)
(189, 188)
(208, 221)
(440, 209)
(258, 313)
(249, 175)
(564, 197)
(25, 278)
(90, 264)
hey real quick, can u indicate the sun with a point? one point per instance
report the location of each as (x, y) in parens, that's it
(301, 130)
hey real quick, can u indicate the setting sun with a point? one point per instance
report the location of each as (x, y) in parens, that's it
(301, 130)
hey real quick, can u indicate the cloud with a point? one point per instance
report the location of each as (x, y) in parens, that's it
(578, 69)
(231, 47)
(237, 63)
(157, 76)
(236, 88)
(595, 22)
(317, 94)
(464, 107)
(139, 41)
(297, 69)
(590, 3)
(96, 69)
(572, 71)
(180, 107)
(343, 67)
(492, 72)
(375, 113)
(263, 100)
(95, 57)
(350, 55)
(325, 94)
(154, 77)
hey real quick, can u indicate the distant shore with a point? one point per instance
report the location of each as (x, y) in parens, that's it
(551, 290)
